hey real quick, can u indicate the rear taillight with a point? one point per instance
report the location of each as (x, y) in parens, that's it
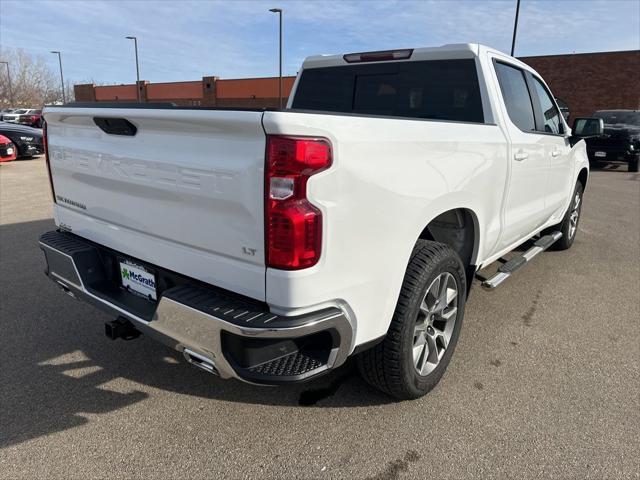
(293, 226)
(46, 156)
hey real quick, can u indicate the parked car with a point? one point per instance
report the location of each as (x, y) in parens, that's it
(12, 116)
(280, 243)
(33, 118)
(6, 111)
(25, 116)
(28, 140)
(620, 141)
(8, 150)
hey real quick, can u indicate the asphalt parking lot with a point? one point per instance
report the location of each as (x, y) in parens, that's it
(545, 382)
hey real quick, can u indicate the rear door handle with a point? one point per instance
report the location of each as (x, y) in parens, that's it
(555, 153)
(519, 156)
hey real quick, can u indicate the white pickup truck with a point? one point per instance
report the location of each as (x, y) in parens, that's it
(271, 245)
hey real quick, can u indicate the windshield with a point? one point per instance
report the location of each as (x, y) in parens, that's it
(621, 117)
(19, 112)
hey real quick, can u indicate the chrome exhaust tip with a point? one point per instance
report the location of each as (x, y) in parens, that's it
(200, 361)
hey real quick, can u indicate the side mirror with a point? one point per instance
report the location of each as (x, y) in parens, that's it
(586, 127)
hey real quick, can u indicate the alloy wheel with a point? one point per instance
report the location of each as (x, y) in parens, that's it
(435, 323)
(574, 216)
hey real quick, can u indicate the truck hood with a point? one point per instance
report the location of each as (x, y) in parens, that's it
(622, 130)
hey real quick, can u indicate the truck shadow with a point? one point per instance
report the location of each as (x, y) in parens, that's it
(57, 368)
(619, 167)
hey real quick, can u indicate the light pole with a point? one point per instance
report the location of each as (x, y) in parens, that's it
(279, 12)
(10, 89)
(135, 42)
(515, 29)
(64, 100)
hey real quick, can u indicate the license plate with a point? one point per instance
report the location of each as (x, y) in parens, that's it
(138, 279)
(600, 154)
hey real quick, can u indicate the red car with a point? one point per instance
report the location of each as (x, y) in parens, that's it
(8, 150)
(33, 118)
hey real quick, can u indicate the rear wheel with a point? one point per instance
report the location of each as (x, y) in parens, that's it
(633, 163)
(425, 327)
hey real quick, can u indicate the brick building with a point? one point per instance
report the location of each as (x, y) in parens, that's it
(208, 92)
(592, 81)
(585, 81)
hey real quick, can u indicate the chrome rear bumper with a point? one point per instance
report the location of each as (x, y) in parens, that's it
(218, 332)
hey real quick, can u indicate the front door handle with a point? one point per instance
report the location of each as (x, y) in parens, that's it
(519, 156)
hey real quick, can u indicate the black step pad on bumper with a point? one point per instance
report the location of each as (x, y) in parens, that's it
(82, 265)
(65, 243)
(291, 365)
(237, 310)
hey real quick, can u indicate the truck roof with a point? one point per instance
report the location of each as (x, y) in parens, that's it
(443, 52)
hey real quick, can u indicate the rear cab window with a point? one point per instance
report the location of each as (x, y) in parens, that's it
(430, 89)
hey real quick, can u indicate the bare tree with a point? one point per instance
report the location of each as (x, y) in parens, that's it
(33, 82)
(97, 83)
(70, 95)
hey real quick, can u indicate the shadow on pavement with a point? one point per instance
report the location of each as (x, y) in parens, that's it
(620, 167)
(57, 368)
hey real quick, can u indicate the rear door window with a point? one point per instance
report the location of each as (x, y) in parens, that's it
(434, 89)
(516, 96)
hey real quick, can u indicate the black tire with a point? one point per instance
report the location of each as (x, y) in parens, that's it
(569, 234)
(390, 365)
(633, 163)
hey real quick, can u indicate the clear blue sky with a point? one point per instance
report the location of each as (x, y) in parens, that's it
(184, 40)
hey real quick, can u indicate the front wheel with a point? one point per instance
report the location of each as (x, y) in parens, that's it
(633, 163)
(425, 327)
(570, 222)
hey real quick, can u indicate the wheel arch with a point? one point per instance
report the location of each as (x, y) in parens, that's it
(458, 228)
(583, 176)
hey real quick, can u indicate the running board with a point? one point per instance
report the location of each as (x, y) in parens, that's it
(520, 261)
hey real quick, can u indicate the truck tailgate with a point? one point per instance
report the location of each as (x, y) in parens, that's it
(185, 192)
